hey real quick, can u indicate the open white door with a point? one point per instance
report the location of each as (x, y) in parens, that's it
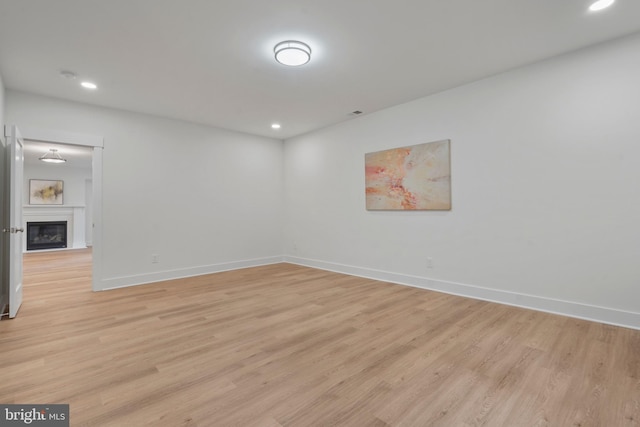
(15, 166)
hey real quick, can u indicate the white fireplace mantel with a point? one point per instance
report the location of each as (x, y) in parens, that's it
(73, 214)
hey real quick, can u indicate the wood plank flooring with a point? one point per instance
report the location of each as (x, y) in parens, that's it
(285, 345)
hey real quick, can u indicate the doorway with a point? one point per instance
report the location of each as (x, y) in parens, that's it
(81, 197)
(63, 219)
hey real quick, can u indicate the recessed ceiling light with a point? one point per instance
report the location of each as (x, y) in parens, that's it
(292, 53)
(89, 85)
(275, 126)
(600, 4)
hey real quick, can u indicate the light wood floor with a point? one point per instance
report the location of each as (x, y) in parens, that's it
(285, 345)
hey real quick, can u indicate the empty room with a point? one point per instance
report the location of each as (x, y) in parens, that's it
(354, 213)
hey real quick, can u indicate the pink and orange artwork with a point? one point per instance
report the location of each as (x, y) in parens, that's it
(409, 178)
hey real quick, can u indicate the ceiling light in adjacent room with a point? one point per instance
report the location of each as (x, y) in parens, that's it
(52, 156)
(89, 85)
(292, 53)
(600, 4)
(275, 126)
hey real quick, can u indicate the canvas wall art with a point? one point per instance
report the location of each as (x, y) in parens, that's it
(45, 192)
(417, 177)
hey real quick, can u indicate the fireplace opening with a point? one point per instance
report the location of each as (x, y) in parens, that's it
(46, 235)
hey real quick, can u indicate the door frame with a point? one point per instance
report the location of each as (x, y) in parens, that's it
(15, 167)
(97, 143)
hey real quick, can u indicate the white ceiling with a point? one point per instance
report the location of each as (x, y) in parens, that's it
(211, 61)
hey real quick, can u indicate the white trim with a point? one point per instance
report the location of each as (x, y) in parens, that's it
(141, 279)
(96, 211)
(62, 137)
(52, 206)
(592, 313)
(35, 251)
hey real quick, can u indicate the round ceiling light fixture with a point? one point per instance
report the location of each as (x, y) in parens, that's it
(600, 4)
(52, 156)
(292, 53)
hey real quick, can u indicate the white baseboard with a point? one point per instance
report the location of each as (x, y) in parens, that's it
(593, 313)
(141, 279)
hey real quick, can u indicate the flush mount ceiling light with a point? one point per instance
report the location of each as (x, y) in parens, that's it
(52, 156)
(600, 4)
(275, 126)
(292, 53)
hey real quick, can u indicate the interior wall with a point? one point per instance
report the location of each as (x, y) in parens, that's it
(73, 198)
(545, 189)
(196, 198)
(73, 180)
(2, 102)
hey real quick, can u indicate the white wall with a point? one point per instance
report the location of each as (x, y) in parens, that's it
(2, 95)
(74, 180)
(74, 186)
(203, 199)
(545, 178)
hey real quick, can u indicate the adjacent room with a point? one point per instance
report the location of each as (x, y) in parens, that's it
(309, 213)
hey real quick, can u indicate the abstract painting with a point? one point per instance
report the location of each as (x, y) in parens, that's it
(417, 177)
(45, 192)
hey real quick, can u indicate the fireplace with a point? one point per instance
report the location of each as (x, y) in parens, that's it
(46, 235)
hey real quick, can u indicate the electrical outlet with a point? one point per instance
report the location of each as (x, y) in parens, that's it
(429, 262)
(155, 258)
